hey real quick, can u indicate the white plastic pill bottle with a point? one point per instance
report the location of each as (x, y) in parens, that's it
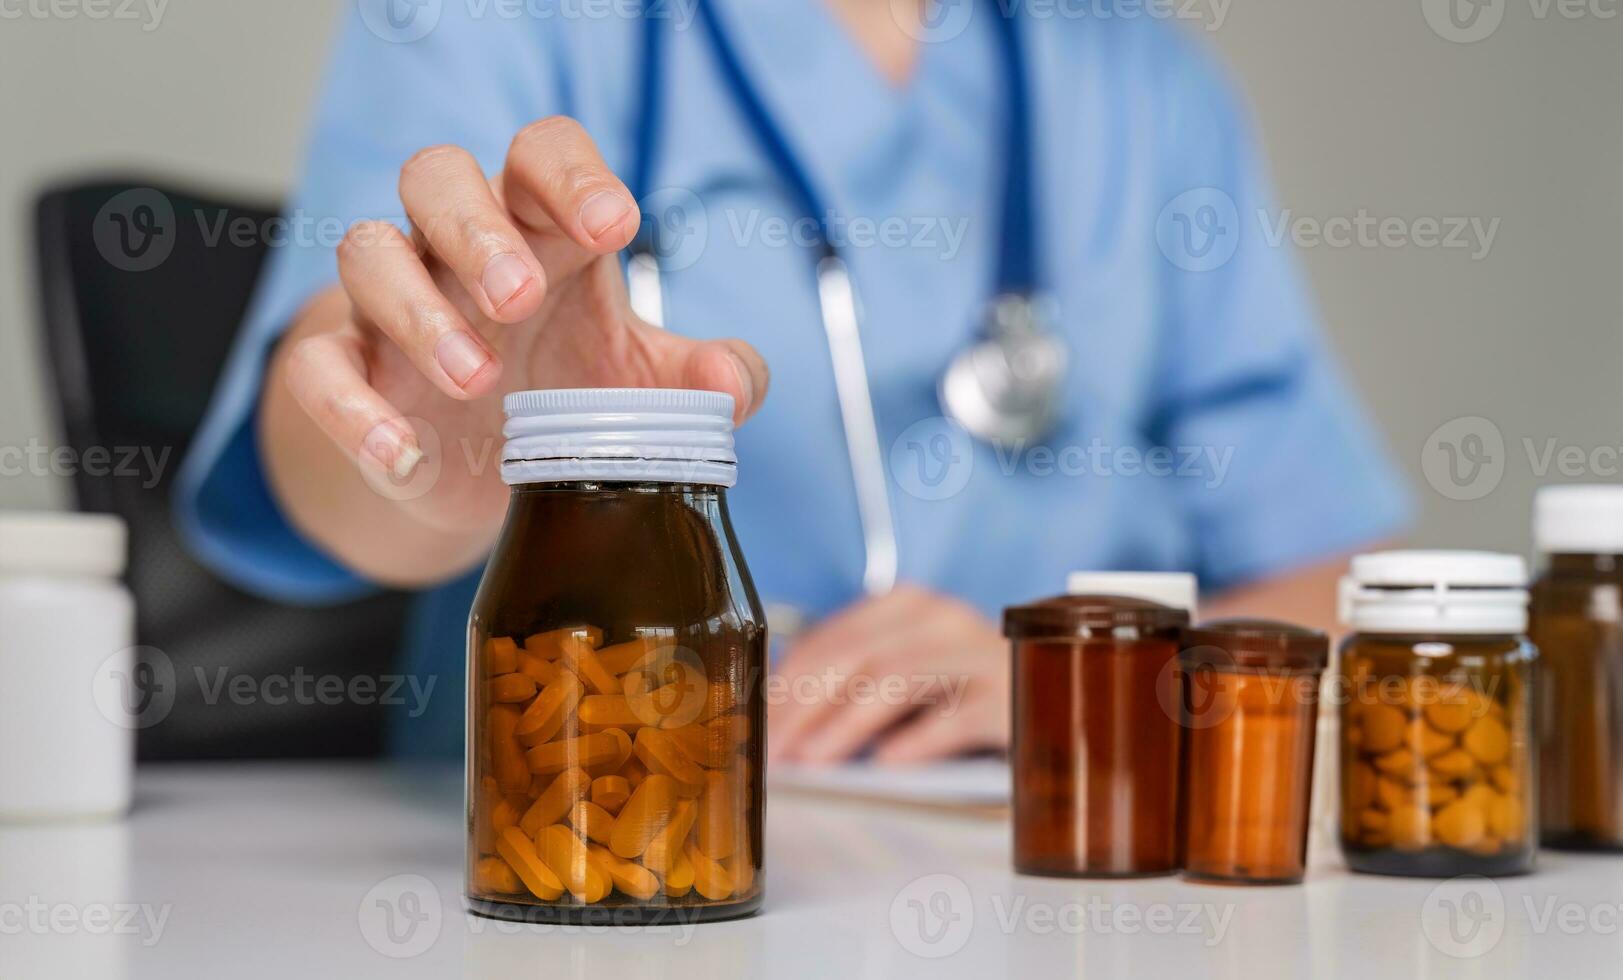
(67, 747)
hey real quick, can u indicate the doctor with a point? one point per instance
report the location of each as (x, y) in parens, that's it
(488, 161)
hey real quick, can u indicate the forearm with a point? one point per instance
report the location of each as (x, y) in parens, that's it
(321, 489)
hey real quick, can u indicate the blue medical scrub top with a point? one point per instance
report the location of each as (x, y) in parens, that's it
(1206, 426)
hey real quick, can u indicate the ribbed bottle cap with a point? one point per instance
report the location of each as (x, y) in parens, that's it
(1435, 592)
(1579, 519)
(630, 435)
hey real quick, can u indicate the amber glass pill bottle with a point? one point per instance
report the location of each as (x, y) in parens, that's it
(1095, 742)
(1577, 625)
(1249, 693)
(1436, 695)
(615, 663)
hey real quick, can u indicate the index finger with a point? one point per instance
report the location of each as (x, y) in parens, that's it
(555, 178)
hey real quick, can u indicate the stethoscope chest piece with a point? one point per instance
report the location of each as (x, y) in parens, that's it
(1005, 388)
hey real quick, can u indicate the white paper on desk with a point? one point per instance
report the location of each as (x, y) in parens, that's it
(958, 782)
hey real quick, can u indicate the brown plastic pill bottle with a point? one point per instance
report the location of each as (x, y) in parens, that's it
(1436, 693)
(1577, 625)
(1095, 742)
(616, 657)
(1249, 693)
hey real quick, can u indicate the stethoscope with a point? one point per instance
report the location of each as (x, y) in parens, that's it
(1003, 388)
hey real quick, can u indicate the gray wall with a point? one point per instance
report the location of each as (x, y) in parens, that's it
(1365, 109)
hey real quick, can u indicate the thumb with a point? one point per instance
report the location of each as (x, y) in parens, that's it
(730, 366)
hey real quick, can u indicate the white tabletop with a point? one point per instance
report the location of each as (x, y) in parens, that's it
(277, 870)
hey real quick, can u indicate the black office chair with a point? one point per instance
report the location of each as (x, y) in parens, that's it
(142, 292)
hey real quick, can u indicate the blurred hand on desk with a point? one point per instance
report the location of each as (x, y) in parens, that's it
(917, 674)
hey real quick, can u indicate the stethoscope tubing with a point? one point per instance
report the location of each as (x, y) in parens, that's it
(837, 299)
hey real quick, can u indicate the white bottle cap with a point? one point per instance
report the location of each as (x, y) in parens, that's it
(631, 435)
(1435, 592)
(1579, 519)
(1176, 589)
(62, 543)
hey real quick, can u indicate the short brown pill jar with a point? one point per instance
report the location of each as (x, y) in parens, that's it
(1095, 736)
(1249, 695)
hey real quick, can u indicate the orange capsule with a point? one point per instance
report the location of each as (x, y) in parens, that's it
(503, 815)
(509, 688)
(661, 853)
(549, 645)
(549, 808)
(492, 874)
(546, 714)
(600, 711)
(543, 672)
(566, 855)
(710, 877)
(579, 656)
(592, 821)
(501, 656)
(628, 876)
(520, 854)
(621, 657)
(611, 764)
(721, 814)
(611, 792)
(742, 869)
(645, 814)
(679, 881)
(506, 754)
(584, 751)
(660, 753)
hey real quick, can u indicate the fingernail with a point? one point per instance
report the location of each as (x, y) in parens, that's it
(602, 211)
(746, 385)
(505, 275)
(460, 357)
(394, 447)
